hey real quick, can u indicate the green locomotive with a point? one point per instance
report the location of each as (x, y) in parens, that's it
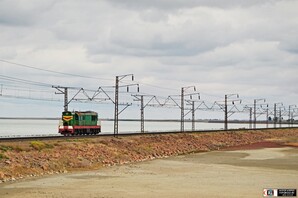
(79, 123)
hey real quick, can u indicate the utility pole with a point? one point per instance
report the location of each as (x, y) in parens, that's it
(192, 110)
(116, 100)
(182, 110)
(143, 106)
(294, 110)
(226, 112)
(65, 99)
(183, 89)
(290, 114)
(193, 126)
(267, 114)
(274, 119)
(64, 91)
(267, 117)
(255, 111)
(250, 117)
(227, 96)
(142, 115)
(275, 113)
(279, 117)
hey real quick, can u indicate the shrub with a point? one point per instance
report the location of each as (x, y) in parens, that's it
(38, 145)
(2, 156)
(5, 148)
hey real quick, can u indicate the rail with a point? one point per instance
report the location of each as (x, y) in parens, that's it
(53, 137)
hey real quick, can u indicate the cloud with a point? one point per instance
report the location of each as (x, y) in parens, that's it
(195, 30)
(22, 13)
(248, 47)
(180, 4)
(289, 43)
(183, 34)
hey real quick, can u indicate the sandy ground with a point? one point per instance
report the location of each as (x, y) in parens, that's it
(240, 173)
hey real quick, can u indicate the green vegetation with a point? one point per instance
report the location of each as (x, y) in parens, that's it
(77, 140)
(2, 156)
(38, 145)
(146, 149)
(5, 148)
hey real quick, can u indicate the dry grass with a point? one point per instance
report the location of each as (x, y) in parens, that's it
(38, 145)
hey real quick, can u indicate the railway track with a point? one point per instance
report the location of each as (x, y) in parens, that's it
(30, 138)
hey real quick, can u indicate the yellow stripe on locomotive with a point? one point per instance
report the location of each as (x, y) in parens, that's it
(67, 118)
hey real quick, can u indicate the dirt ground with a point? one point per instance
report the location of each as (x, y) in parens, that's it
(35, 158)
(233, 173)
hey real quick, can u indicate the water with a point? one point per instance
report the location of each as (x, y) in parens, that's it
(28, 127)
(10, 127)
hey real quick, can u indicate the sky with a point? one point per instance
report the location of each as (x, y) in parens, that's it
(221, 47)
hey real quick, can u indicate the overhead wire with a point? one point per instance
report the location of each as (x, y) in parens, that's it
(90, 77)
(35, 83)
(78, 75)
(19, 80)
(51, 71)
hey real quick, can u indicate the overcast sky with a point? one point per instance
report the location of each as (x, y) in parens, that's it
(247, 47)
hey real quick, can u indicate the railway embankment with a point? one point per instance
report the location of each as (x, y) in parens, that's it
(26, 159)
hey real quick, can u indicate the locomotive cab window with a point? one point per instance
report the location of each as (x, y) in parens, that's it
(94, 118)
